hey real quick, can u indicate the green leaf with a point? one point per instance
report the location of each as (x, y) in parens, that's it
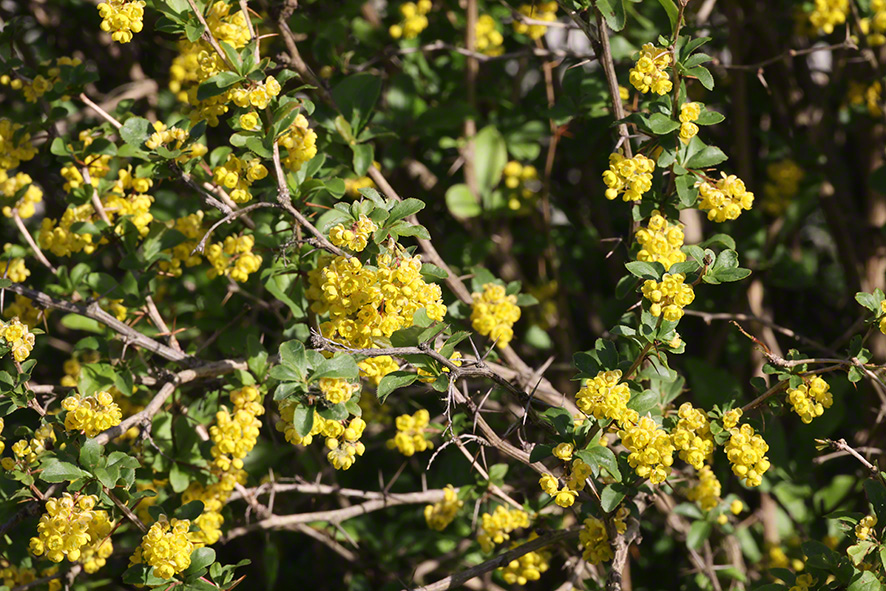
(217, 84)
(876, 494)
(405, 209)
(461, 202)
(293, 356)
(646, 270)
(707, 156)
(540, 452)
(303, 419)
(340, 366)
(611, 496)
(699, 531)
(686, 190)
(490, 158)
(614, 13)
(356, 96)
(53, 470)
(142, 575)
(497, 473)
(660, 124)
(598, 457)
(394, 381)
(561, 419)
(865, 581)
(135, 131)
(190, 510)
(703, 75)
(179, 478)
(90, 454)
(256, 356)
(709, 118)
(364, 154)
(201, 558)
(672, 11)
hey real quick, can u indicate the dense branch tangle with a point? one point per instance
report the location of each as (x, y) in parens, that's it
(315, 384)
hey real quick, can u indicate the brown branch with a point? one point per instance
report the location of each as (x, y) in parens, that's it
(227, 220)
(94, 311)
(279, 522)
(213, 369)
(30, 240)
(459, 579)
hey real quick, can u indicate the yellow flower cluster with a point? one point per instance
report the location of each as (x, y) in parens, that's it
(810, 400)
(237, 175)
(651, 451)
(414, 21)
(541, 11)
(522, 184)
(731, 418)
(57, 237)
(41, 84)
(300, 142)
(494, 313)
(197, 62)
(353, 186)
(746, 451)
(233, 436)
(563, 451)
(12, 576)
(174, 139)
(258, 94)
(411, 436)
(374, 412)
(628, 177)
(528, 567)
(864, 527)
(14, 150)
(91, 414)
(660, 241)
(336, 390)
(689, 112)
(649, 71)
(875, 26)
(122, 18)
(233, 258)
(496, 528)
(344, 449)
(595, 540)
(668, 296)
(137, 206)
(24, 308)
(166, 547)
(366, 303)
(565, 497)
(191, 226)
(18, 338)
(804, 582)
(354, 237)
(439, 515)
(782, 185)
(28, 452)
(489, 40)
(375, 368)
(98, 166)
(10, 186)
(236, 433)
(827, 14)
(343, 442)
(72, 528)
(868, 95)
(707, 492)
(725, 199)
(604, 398)
(692, 436)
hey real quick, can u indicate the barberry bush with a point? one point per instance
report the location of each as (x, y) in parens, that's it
(484, 294)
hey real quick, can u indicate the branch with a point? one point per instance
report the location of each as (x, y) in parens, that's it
(94, 311)
(459, 579)
(285, 200)
(278, 522)
(227, 220)
(214, 369)
(30, 240)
